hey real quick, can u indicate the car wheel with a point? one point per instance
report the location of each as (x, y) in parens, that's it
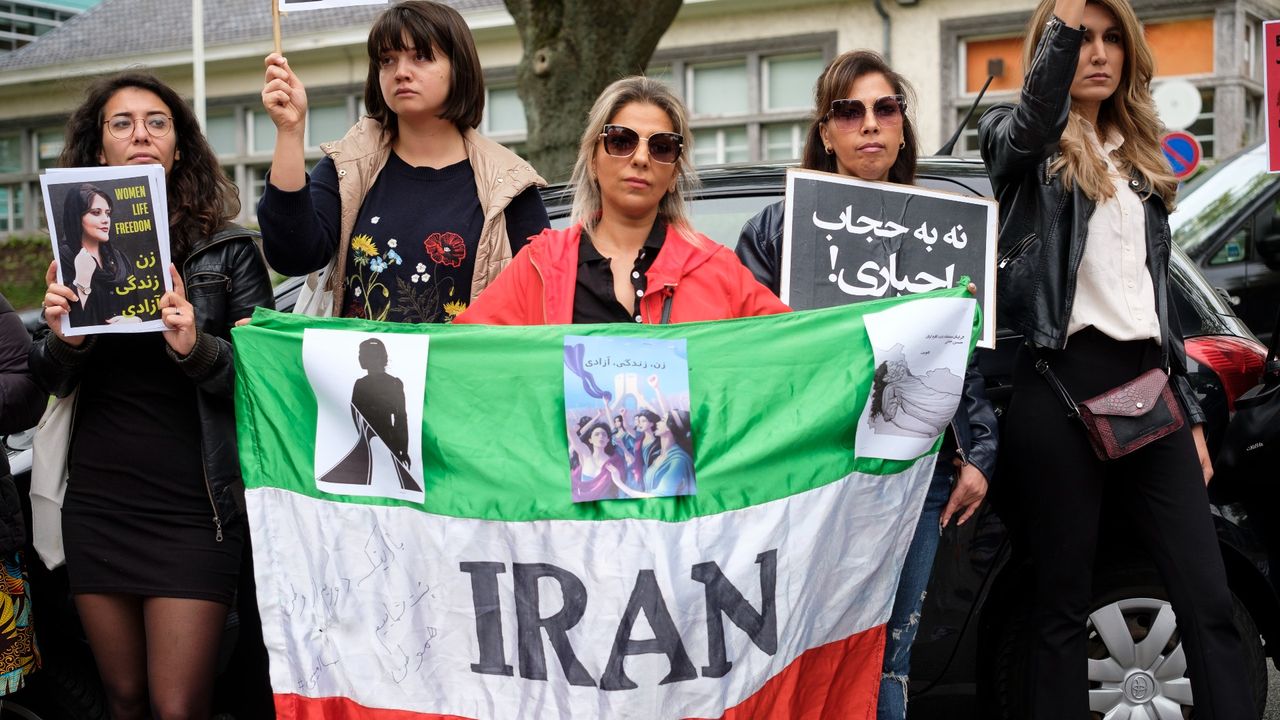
(1137, 666)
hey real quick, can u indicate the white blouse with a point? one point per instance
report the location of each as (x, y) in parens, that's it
(1114, 292)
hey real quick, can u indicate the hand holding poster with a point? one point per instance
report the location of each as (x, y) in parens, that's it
(847, 240)
(110, 232)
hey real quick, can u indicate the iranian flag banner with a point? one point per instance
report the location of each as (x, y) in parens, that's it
(419, 552)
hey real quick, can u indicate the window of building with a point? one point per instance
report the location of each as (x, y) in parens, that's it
(11, 153)
(49, 145)
(11, 208)
(262, 133)
(714, 146)
(220, 129)
(789, 80)
(718, 90)
(784, 141)
(326, 122)
(503, 112)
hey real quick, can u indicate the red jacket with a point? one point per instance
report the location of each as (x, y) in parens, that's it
(701, 282)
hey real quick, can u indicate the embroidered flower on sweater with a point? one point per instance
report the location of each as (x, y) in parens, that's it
(446, 248)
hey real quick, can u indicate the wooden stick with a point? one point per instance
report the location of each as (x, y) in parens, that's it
(275, 25)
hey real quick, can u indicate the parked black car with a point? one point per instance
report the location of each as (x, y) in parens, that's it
(965, 660)
(1228, 223)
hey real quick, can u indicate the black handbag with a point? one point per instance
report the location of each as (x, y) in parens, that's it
(1251, 446)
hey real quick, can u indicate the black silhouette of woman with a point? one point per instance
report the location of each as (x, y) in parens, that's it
(377, 409)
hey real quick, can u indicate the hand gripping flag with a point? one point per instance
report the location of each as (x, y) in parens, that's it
(445, 572)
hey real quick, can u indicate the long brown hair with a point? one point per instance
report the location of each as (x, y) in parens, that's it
(201, 198)
(832, 85)
(1130, 110)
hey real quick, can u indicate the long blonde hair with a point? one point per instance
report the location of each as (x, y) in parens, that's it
(1130, 110)
(586, 192)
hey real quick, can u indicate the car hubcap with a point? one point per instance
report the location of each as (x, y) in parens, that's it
(1137, 669)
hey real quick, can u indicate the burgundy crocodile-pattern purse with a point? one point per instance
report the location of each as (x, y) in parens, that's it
(1123, 418)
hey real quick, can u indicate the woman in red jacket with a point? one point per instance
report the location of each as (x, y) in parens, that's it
(630, 255)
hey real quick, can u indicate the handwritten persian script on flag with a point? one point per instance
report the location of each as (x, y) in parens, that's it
(446, 572)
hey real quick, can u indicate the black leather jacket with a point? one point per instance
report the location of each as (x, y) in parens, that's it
(974, 425)
(21, 404)
(225, 278)
(1043, 226)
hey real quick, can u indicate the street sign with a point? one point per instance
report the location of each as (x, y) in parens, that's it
(1182, 150)
(1271, 86)
(1177, 103)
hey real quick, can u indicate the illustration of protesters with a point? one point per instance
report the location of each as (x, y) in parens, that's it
(861, 128)
(151, 527)
(357, 222)
(91, 263)
(599, 472)
(630, 254)
(671, 471)
(645, 443)
(904, 404)
(378, 411)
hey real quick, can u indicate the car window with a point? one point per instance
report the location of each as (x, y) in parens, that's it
(1234, 250)
(1213, 202)
(1199, 308)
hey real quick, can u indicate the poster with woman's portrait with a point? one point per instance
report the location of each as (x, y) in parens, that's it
(920, 364)
(110, 232)
(627, 417)
(369, 389)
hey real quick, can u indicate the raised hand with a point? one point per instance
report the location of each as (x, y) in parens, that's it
(178, 316)
(283, 96)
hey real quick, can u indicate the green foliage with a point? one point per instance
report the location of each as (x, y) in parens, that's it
(23, 262)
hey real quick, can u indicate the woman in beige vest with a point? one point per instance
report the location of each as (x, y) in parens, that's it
(411, 214)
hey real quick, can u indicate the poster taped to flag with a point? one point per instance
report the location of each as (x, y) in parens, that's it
(457, 578)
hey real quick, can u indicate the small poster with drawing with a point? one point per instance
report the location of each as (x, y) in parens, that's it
(627, 417)
(110, 232)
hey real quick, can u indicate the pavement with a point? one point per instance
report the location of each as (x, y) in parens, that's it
(1273, 693)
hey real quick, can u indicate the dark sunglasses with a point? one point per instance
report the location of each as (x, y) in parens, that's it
(847, 114)
(621, 141)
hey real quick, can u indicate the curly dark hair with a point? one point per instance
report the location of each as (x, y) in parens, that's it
(201, 198)
(832, 85)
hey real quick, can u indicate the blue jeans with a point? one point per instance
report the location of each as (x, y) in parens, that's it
(905, 619)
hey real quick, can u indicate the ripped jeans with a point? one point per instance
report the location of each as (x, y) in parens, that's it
(905, 619)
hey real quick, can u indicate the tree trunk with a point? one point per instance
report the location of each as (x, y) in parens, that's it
(572, 50)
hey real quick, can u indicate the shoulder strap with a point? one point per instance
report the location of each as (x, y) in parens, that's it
(1042, 367)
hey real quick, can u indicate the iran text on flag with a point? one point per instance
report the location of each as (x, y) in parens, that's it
(445, 572)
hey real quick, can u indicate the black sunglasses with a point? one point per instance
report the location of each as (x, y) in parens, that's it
(622, 141)
(847, 114)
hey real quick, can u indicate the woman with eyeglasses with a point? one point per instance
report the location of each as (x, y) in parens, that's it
(1085, 193)
(861, 129)
(152, 530)
(409, 216)
(630, 254)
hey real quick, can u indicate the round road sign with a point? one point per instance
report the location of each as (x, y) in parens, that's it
(1182, 151)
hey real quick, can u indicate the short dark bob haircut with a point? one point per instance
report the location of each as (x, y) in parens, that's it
(832, 85)
(431, 27)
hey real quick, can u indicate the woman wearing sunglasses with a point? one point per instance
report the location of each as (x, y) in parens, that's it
(359, 223)
(861, 129)
(1084, 195)
(630, 254)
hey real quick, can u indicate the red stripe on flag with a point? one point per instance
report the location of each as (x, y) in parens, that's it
(839, 680)
(836, 680)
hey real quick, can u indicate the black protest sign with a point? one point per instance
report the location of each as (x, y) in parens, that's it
(847, 240)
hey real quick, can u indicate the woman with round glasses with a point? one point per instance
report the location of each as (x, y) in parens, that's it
(1085, 193)
(861, 129)
(630, 254)
(409, 216)
(152, 530)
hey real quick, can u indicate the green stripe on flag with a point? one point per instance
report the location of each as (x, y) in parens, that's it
(774, 404)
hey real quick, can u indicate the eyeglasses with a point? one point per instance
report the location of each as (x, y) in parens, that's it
(847, 114)
(621, 141)
(121, 126)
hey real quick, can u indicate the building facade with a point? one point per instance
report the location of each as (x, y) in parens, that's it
(745, 68)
